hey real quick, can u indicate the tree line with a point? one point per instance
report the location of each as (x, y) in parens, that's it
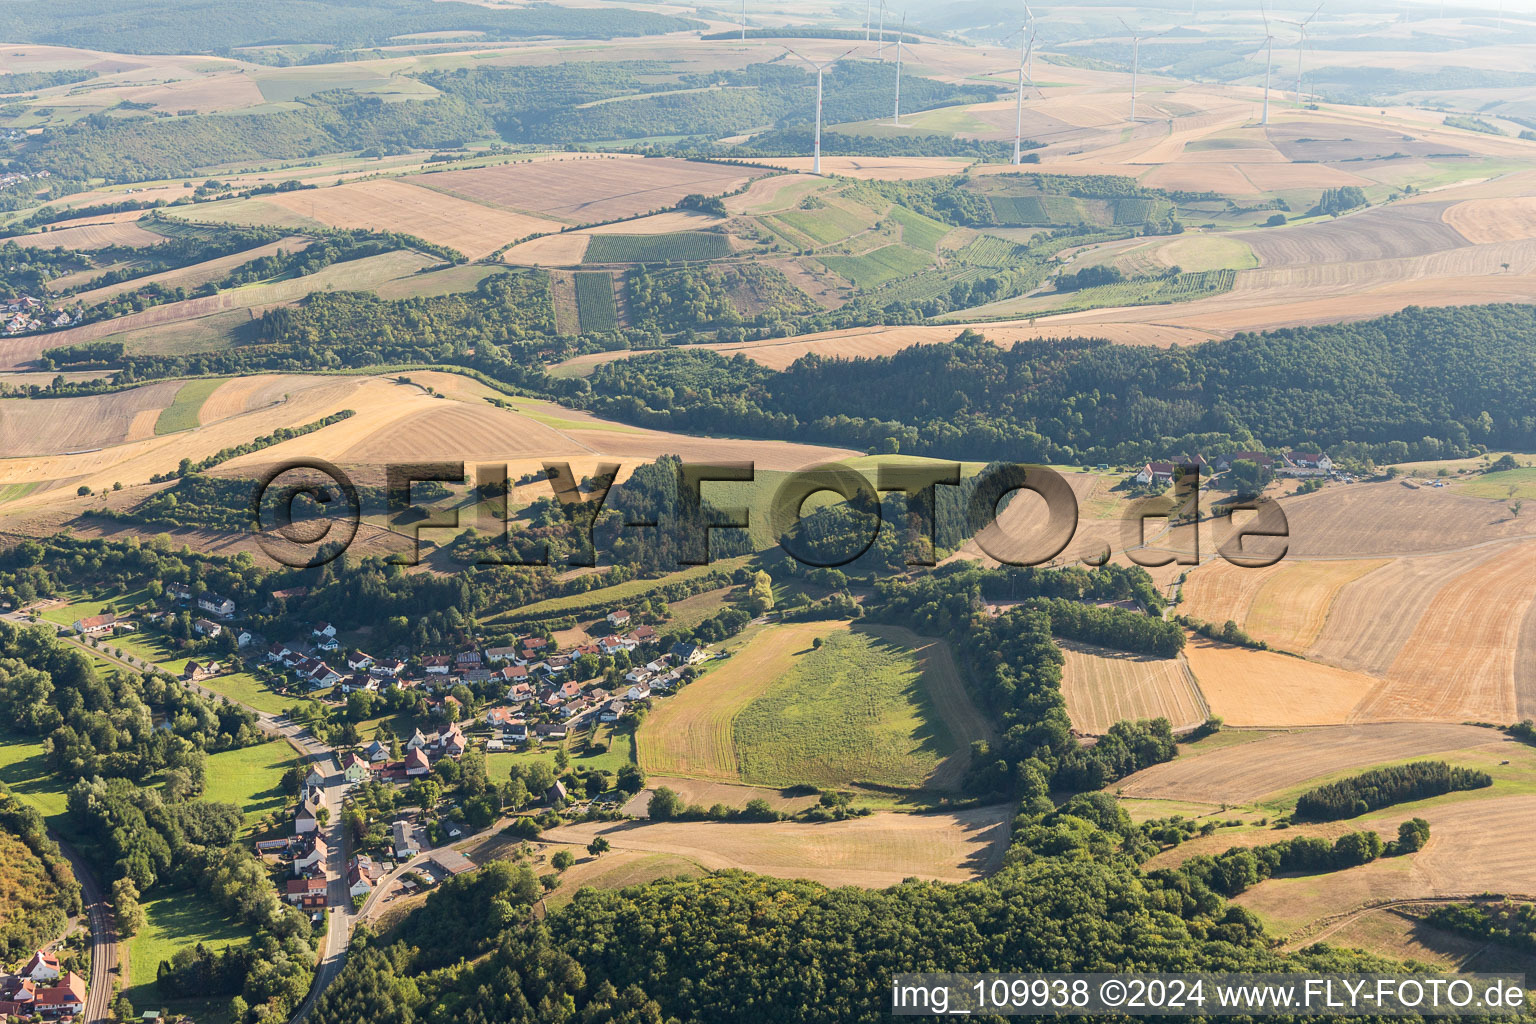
(1382, 787)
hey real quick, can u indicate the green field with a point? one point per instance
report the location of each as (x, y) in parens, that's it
(23, 772)
(676, 247)
(621, 751)
(251, 777)
(1030, 210)
(917, 231)
(182, 413)
(854, 710)
(615, 595)
(174, 920)
(1498, 485)
(826, 224)
(876, 268)
(1196, 252)
(594, 301)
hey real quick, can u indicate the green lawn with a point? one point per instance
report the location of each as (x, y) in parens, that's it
(174, 920)
(872, 269)
(1498, 485)
(240, 687)
(23, 773)
(182, 413)
(853, 710)
(827, 224)
(251, 777)
(621, 751)
(918, 231)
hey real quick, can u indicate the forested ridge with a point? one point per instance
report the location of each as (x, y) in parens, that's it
(1421, 382)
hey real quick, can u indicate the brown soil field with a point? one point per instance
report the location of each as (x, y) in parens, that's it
(874, 852)
(585, 191)
(1459, 664)
(1245, 687)
(1104, 686)
(1291, 606)
(1382, 232)
(690, 734)
(1373, 617)
(390, 205)
(1494, 220)
(1244, 773)
(243, 394)
(94, 235)
(193, 276)
(39, 427)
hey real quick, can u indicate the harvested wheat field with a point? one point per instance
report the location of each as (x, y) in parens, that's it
(617, 869)
(874, 168)
(1226, 179)
(1381, 232)
(562, 250)
(1218, 590)
(1245, 687)
(1373, 617)
(874, 852)
(707, 794)
(94, 235)
(1244, 773)
(387, 204)
(53, 426)
(1494, 220)
(1459, 663)
(1292, 604)
(243, 394)
(587, 190)
(1104, 686)
(1393, 519)
(456, 430)
(1476, 846)
(690, 734)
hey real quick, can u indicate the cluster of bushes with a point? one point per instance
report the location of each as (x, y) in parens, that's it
(1240, 869)
(1509, 924)
(1382, 787)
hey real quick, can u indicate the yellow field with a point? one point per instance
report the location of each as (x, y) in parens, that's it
(1218, 590)
(1260, 688)
(1102, 687)
(97, 233)
(874, 852)
(40, 427)
(194, 276)
(1292, 604)
(1494, 220)
(690, 734)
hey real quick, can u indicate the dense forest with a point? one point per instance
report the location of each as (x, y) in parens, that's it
(1420, 383)
(1070, 899)
(124, 149)
(207, 26)
(1382, 787)
(39, 888)
(590, 101)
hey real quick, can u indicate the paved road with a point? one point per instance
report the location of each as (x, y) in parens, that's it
(98, 912)
(343, 917)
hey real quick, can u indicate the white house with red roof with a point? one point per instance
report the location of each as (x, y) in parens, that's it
(42, 967)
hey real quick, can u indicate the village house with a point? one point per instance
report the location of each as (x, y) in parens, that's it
(323, 630)
(298, 889)
(499, 717)
(466, 660)
(405, 841)
(618, 619)
(95, 625)
(550, 730)
(355, 767)
(357, 661)
(520, 693)
(208, 628)
(389, 668)
(223, 607)
(516, 731)
(43, 967)
(416, 764)
(417, 741)
(175, 591)
(308, 818)
(361, 874)
(376, 752)
(1308, 464)
(360, 682)
(1224, 462)
(437, 664)
(640, 691)
(612, 711)
(643, 634)
(688, 654)
(311, 855)
(495, 654)
(197, 671)
(245, 638)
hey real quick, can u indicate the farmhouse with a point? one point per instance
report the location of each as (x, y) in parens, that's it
(376, 752)
(298, 889)
(311, 854)
(618, 619)
(223, 607)
(1308, 464)
(1224, 462)
(1155, 473)
(208, 628)
(95, 625)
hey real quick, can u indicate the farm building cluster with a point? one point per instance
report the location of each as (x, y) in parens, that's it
(22, 313)
(41, 990)
(1298, 464)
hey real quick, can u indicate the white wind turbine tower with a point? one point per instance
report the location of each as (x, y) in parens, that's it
(868, 18)
(1136, 39)
(1026, 52)
(881, 51)
(1269, 61)
(743, 20)
(1301, 51)
(896, 120)
(820, 68)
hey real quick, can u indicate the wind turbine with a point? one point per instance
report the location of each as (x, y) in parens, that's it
(881, 51)
(896, 120)
(1026, 36)
(1301, 51)
(1269, 61)
(1136, 39)
(868, 18)
(743, 20)
(820, 68)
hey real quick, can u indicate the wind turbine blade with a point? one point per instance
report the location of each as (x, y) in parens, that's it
(1127, 26)
(1313, 14)
(795, 53)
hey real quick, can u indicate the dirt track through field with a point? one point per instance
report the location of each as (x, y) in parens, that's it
(1244, 773)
